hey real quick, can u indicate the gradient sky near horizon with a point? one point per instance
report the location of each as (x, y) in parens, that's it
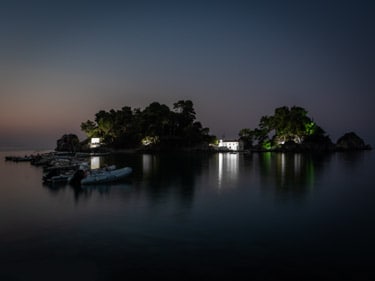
(62, 61)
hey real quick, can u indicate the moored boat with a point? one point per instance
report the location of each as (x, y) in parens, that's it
(59, 179)
(19, 158)
(106, 175)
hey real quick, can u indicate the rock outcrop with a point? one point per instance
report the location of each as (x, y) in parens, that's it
(69, 143)
(350, 141)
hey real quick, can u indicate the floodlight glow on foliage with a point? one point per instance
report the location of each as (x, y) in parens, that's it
(150, 140)
(267, 145)
(310, 128)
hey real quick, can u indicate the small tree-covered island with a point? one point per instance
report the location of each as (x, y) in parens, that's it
(158, 128)
(155, 127)
(290, 129)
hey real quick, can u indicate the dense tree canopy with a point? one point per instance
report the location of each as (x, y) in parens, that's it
(154, 125)
(287, 124)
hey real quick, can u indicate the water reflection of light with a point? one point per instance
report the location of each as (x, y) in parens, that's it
(228, 164)
(95, 162)
(297, 163)
(310, 174)
(146, 163)
(294, 168)
(282, 168)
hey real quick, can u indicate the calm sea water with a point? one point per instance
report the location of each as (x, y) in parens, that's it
(191, 217)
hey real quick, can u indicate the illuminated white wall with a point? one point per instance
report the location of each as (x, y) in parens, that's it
(95, 142)
(231, 145)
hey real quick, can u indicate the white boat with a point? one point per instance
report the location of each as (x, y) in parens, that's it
(105, 176)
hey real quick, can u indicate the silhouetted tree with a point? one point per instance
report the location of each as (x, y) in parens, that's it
(156, 124)
(247, 137)
(90, 128)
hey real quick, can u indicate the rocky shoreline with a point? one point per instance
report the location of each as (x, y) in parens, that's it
(348, 142)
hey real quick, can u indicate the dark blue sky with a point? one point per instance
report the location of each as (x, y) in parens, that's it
(62, 61)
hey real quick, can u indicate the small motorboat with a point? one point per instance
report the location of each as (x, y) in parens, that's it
(60, 179)
(56, 176)
(19, 158)
(100, 176)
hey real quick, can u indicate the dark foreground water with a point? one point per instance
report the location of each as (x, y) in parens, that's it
(194, 217)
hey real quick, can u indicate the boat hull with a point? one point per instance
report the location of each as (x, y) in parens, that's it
(106, 176)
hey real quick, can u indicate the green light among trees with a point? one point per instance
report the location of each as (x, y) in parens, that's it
(285, 125)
